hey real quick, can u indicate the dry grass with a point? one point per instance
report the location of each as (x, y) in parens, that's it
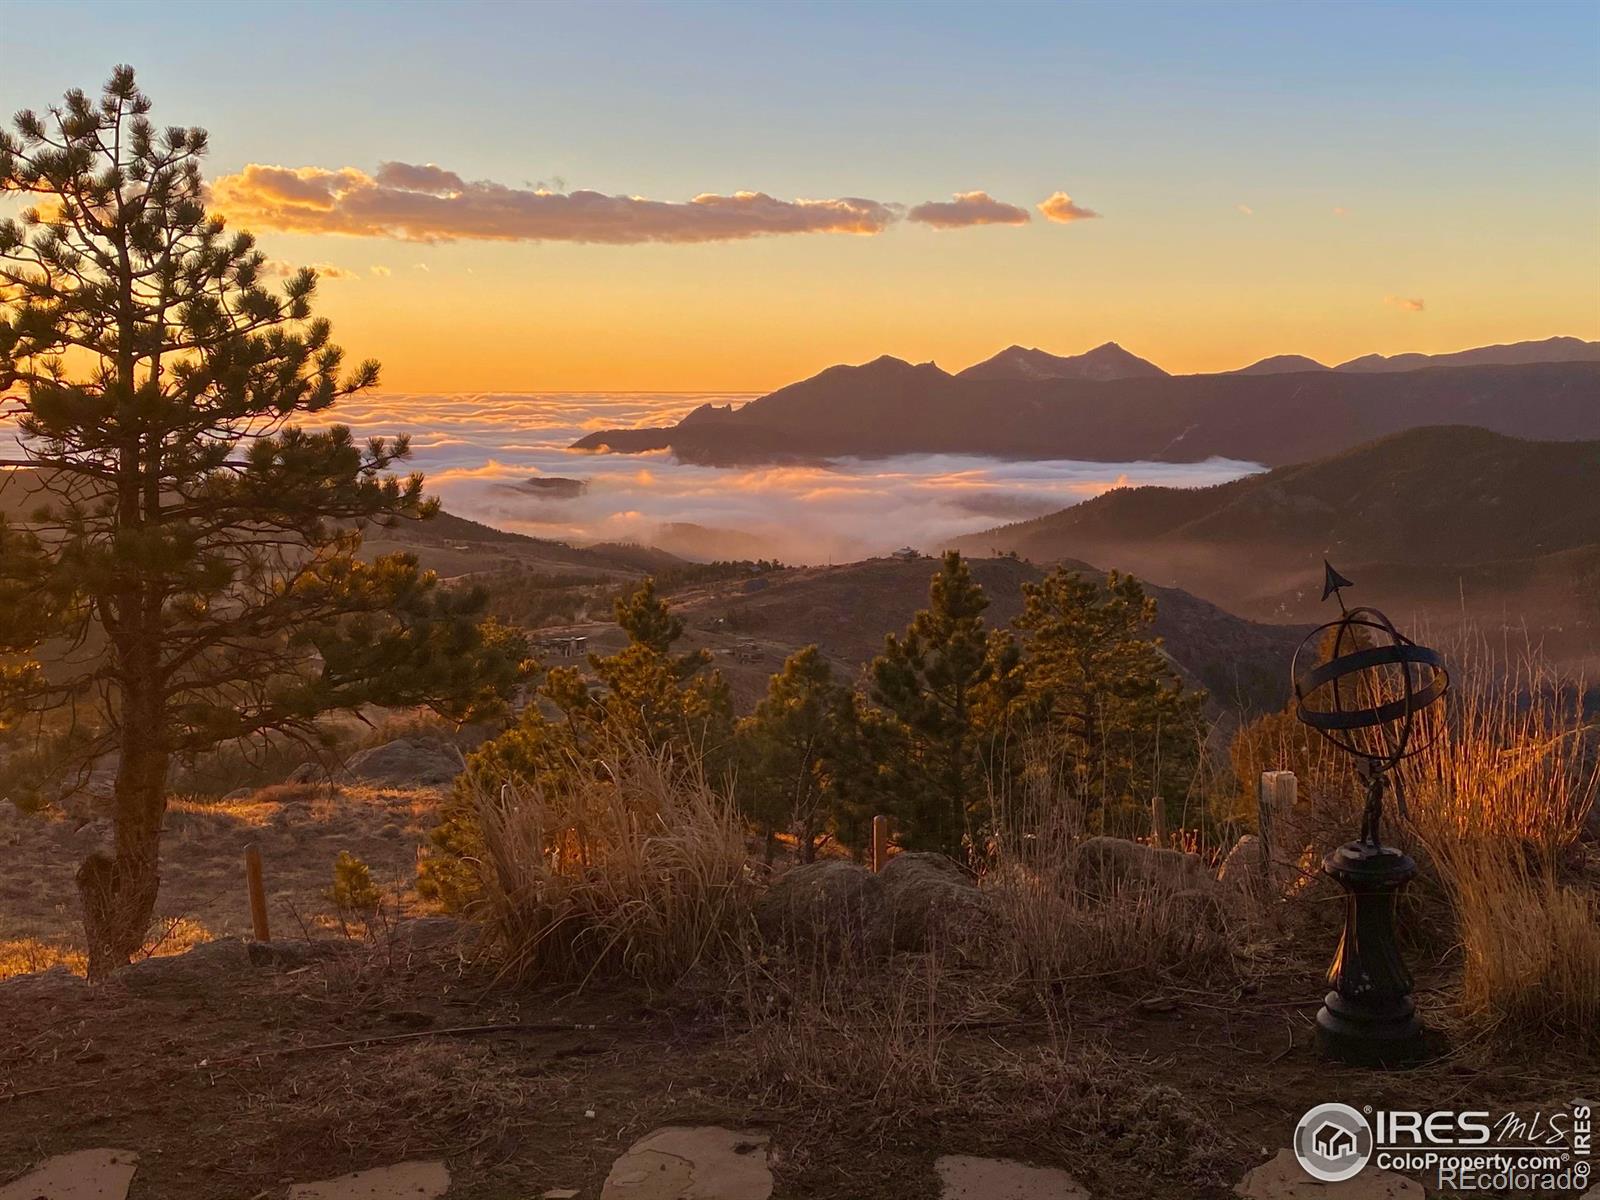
(638, 872)
(1054, 931)
(1499, 801)
(300, 832)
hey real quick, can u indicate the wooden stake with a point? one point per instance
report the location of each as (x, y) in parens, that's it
(880, 841)
(1159, 833)
(258, 894)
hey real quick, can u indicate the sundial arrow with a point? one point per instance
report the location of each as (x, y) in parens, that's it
(1332, 581)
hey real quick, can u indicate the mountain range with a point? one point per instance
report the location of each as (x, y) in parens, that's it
(1111, 406)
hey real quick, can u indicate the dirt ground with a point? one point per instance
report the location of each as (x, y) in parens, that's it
(220, 1074)
(299, 831)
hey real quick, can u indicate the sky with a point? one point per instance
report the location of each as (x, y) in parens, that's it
(673, 197)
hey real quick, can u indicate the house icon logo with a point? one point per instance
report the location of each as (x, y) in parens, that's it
(1333, 1142)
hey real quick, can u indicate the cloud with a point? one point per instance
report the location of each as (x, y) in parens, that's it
(1245, 209)
(427, 203)
(1405, 303)
(278, 268)
(1060, 207)
(381, 272)
(1340, 210)
(968, 208)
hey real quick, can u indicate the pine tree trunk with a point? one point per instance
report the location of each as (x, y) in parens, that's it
(119, 890)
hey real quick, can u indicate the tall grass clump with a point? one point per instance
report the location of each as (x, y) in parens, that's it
(1066, 913)
(635, 871)
(1498, 801)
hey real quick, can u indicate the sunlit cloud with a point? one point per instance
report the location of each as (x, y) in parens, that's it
(1405, 303)
(968, 208)
(1245, 209)
(1340, 210)
(1060, 207)
(427, 203)
(280, 269)
(381, 272)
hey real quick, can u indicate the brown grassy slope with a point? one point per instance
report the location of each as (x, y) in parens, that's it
(847, 611)
(1433, 523)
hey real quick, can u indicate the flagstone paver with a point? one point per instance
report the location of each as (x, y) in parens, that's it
(705, 1162)
(962, 1177)
(1282, 1178)
(403, 1181)
(99, 1174)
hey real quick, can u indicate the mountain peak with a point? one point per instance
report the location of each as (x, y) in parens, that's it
(1106, 361)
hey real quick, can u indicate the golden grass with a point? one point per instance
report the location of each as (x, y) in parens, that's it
(639, 872)
(1498, 802)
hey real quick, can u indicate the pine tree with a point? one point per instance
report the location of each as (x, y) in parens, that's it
(187, 566)
(948, 683)
(1104, 691)
(794, 752)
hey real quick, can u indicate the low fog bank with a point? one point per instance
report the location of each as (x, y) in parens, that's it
(503, 460)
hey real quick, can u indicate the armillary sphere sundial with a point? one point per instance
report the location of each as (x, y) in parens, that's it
(1367, 692)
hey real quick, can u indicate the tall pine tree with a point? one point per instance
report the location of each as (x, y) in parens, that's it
(186, 574)
(948, 682)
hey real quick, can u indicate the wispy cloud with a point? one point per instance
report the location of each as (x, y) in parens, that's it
(1340, 210)
(427, 203)
(968, 208)
(281, 269)
(1060, 207)
(1245, 209)
(381, 272)
(1405, 303)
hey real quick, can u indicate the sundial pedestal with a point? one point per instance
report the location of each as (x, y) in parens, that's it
(1369, 1019)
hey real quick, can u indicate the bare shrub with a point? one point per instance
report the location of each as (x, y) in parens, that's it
(637, 871)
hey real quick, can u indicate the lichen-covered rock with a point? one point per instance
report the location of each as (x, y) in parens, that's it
(933, 902)
(833, 906)
(405, 762)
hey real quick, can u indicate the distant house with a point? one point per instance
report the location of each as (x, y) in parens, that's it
(567, 646)
(906, 554)
(748, 652)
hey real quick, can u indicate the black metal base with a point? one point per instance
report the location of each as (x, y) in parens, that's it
(1369, 1034)
(1369, 1019)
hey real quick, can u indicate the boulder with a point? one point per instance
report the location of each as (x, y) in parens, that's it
(405, 763)
(834, 906)
(704, 1162)
(1108, 865)
(932, 901)
(306, 772)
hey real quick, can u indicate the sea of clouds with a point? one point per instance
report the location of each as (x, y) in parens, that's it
(480, 450)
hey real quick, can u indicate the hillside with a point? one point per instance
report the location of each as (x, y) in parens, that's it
(1439, 519)
(1550, 350)
(888, 407)
(847, 610)
(445, 543)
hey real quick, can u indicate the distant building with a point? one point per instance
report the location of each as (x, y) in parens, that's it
(906, 554)
(569, 646)
(748, 652)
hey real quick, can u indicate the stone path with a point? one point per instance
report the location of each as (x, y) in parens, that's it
(962, 1177)
(1281, 1178)
(102, 1174)
(403, 1181)
(705, 1162)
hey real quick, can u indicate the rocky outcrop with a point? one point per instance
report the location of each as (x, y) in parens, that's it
(405, 763)
(1107, 865)
(832, 906)
(933, 902)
